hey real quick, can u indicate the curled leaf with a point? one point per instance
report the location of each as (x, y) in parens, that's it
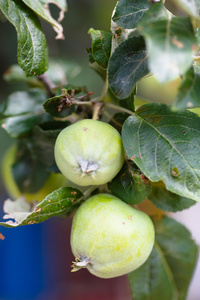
(41, 8)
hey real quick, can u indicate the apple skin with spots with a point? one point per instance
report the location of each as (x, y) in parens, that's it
(89, 152)
(109, 237)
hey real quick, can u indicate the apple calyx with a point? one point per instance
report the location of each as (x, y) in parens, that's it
(80, 263)
(88, 168)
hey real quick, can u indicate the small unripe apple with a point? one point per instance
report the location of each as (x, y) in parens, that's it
(89, 152)
(109, 237)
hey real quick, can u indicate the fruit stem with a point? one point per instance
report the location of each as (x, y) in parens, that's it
(97, 110)
(119, 108)
(100, 105)
(86, 194)
(105, 89)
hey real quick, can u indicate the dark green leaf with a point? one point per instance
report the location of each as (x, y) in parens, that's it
(127, 65)
(101, 46)
(52, 126)
(58, 106)
(62, 105)
(2, 109)
(129, 12)
(189, 91)
(21, 126)
(153, 280)
(41, 7)
(32, 47)
(26, 168)
(130, 185)
(170, 41)
(62, 201)
(43, 142)
(180, 251)
(170, 267)
(167, 200)
(128, 102)
(90, 55)
(165, 145)
(118, 120)
(23, 111)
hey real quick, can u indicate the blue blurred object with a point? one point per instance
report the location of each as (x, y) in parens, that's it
(21, 267)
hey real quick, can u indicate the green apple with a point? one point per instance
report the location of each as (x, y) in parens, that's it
(53, 182)
(109, 237)
(89, 152)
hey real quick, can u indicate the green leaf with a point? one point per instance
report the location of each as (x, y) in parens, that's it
(170, 41)
(118, 120)
(127, 65)
(41, 7)
(167, 200)
(128, 102)
(32, 47)
(60, 71)
(15, 74)
(58, 106)
(43, 141)
(189, 91)
(22, 111)
(180, 251)
(101, 46)
(26, 168)
(153, 280)
(129, 12)
(165, 145)
(62, 105)
(19, 103)
(21, 126)
(62, 201)
(130, 185)
(169, 269)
